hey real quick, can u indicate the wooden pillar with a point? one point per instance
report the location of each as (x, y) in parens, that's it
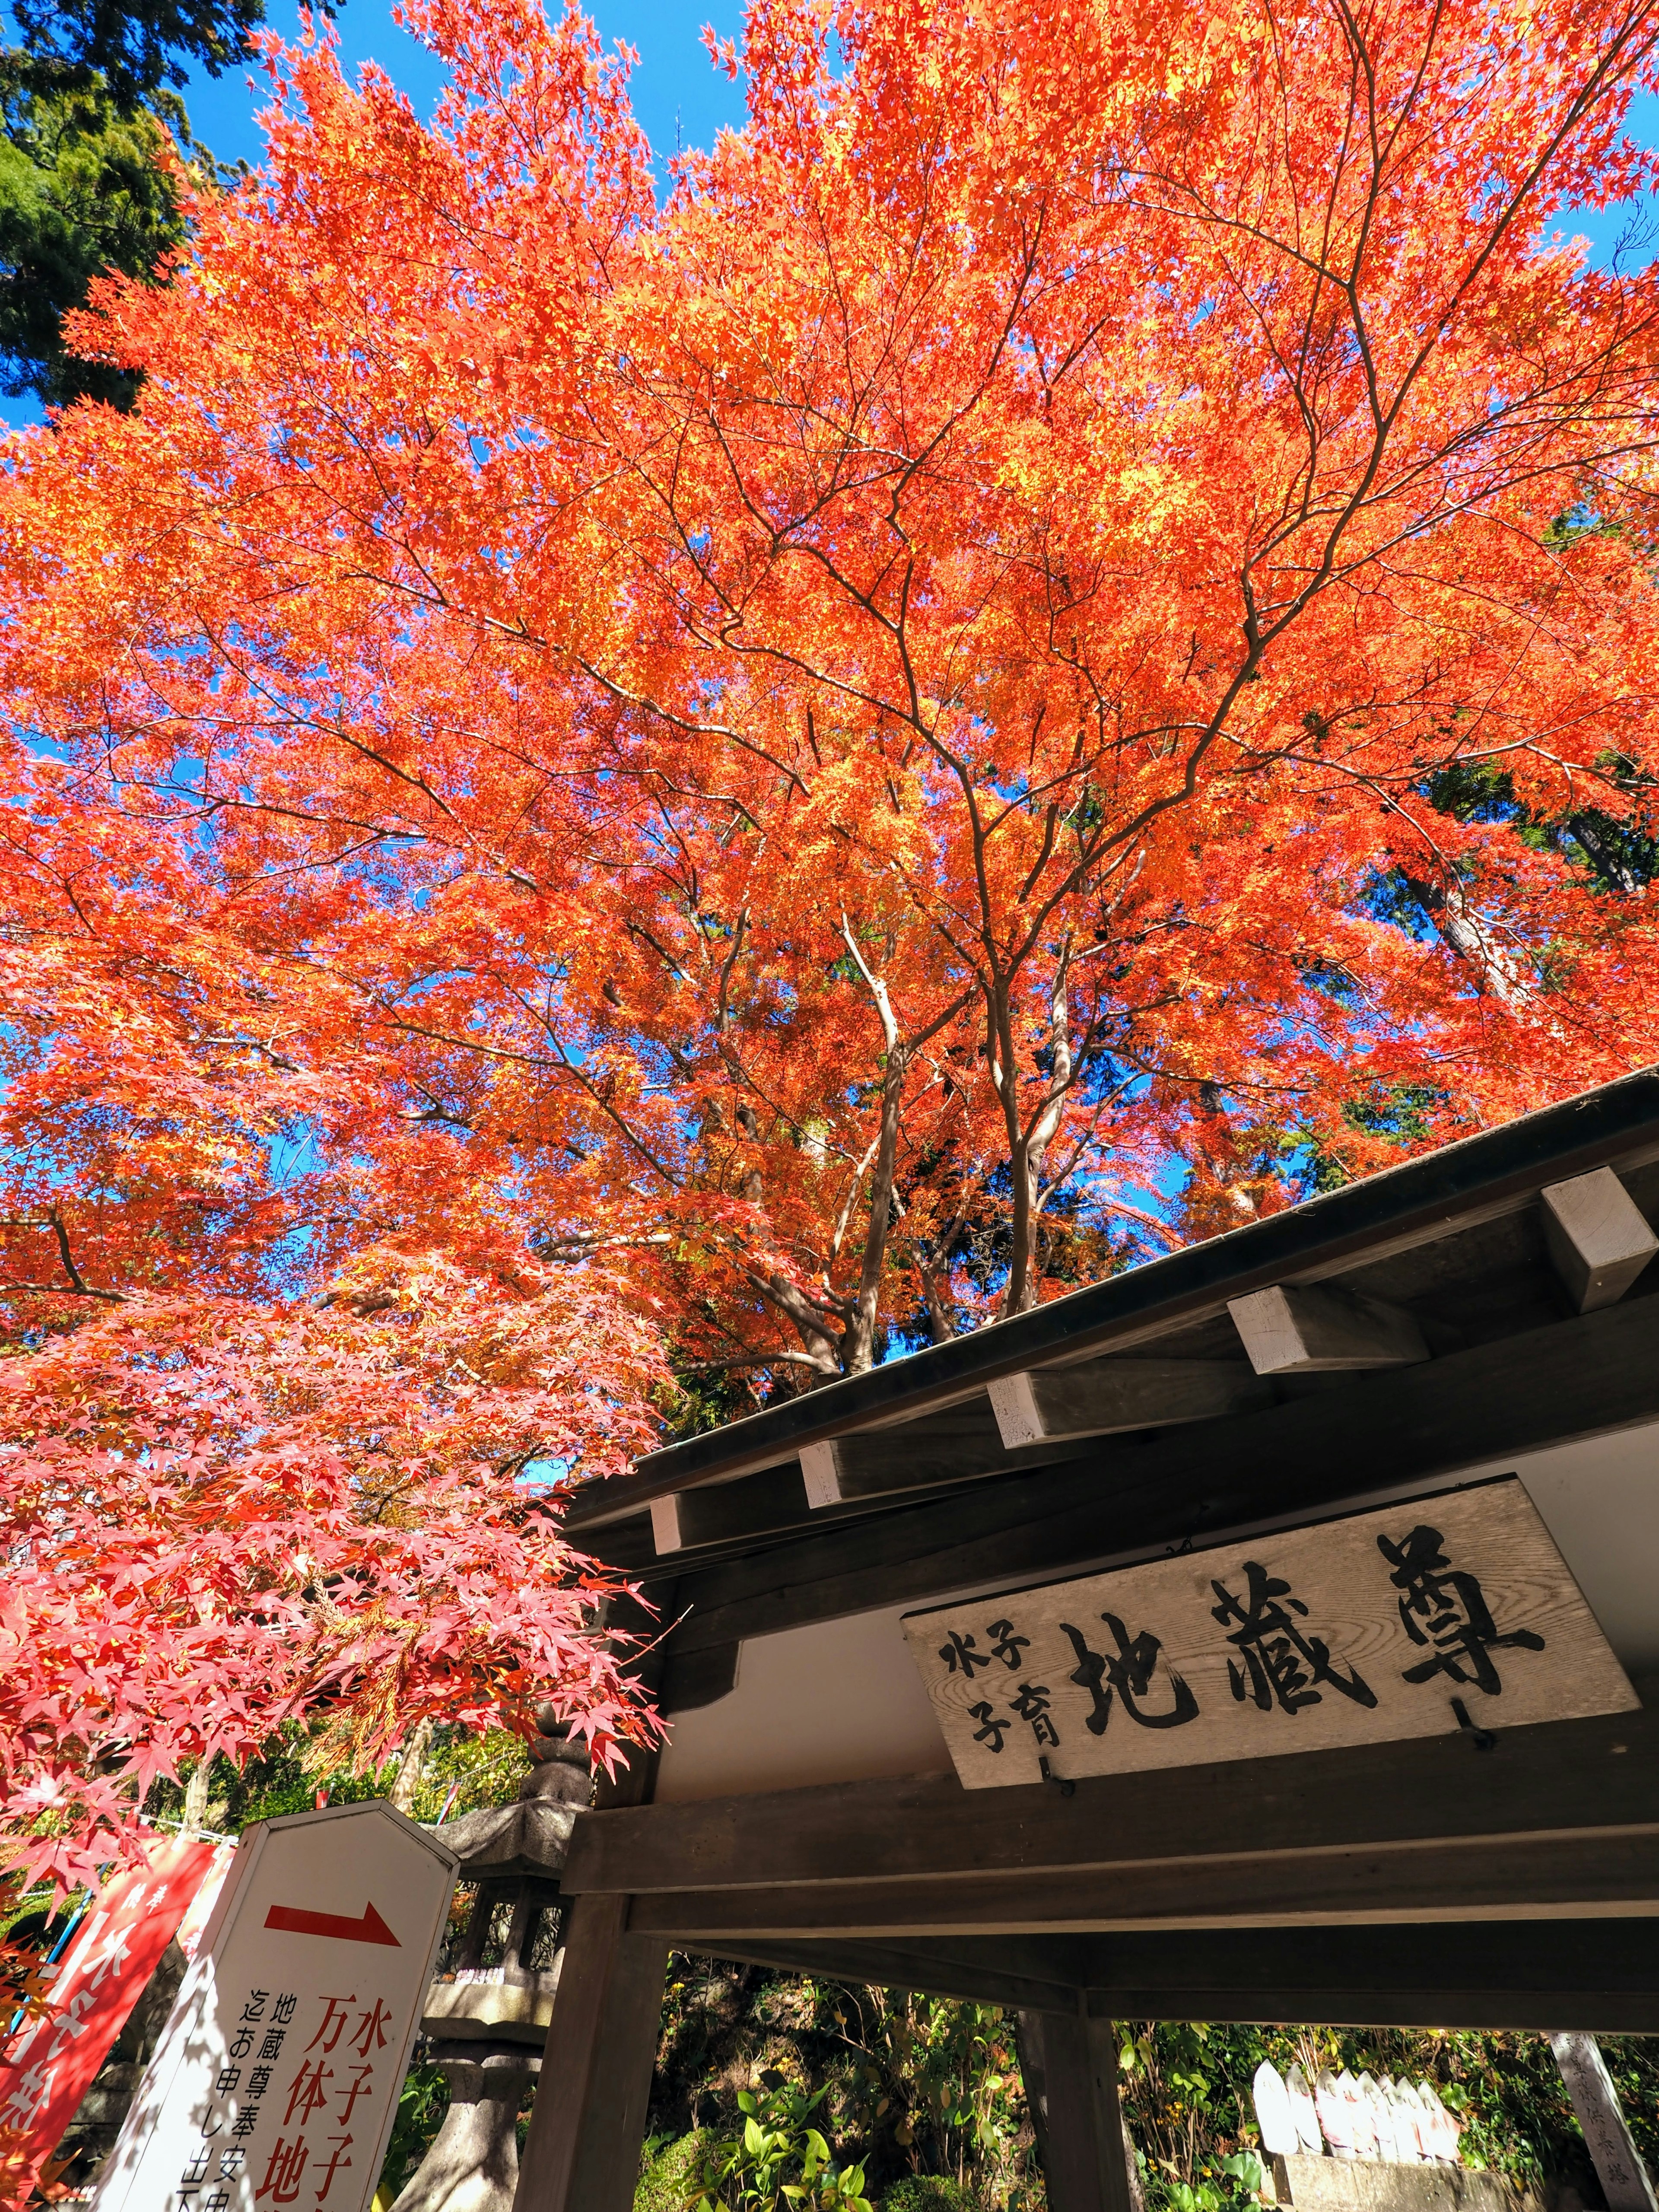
(588, 2122)
(1071, 2083)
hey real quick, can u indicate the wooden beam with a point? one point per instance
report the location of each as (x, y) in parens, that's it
(1615, 1874)
(588, 2120)
(1422, 1202)
(724, 1519)
(727, 1519)
(984, 1970)
(962, 1445)
(1602, 1975)
(1598, 1240)
(1314, 1328)
(820, 1473)
(628, 1544)
(724, 1512)
(1574, 1377)
(1556, 1777)
(1108, 1396)
(958, 1446)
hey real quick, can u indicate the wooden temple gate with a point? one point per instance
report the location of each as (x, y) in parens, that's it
(1385, 1351)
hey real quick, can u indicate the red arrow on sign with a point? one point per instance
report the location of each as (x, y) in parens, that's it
(291, 1920)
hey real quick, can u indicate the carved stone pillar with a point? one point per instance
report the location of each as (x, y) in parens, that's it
(473, 2163)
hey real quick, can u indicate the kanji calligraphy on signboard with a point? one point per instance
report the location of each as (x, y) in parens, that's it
(275, 2083)
(1449, 1612)
(115, 1949)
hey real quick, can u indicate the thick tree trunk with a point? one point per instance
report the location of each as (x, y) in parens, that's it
(810, 1324)
(1604, 856)
(417, 1746)
(1029, 1141)
(1499, 974)
(859, 1343)
(195, 1798)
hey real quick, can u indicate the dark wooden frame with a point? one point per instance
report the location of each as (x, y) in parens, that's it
(1391, 1429)
(1445, 1882)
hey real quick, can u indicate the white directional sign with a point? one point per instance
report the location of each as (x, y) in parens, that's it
(275, 2083)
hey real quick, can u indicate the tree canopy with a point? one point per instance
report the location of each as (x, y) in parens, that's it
(132, 48)
(1045, 648)
(92, 134)
(85, 189)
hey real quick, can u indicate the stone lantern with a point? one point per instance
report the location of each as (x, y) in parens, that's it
(486, 2019)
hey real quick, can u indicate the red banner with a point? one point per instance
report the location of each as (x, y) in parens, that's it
(116, 1949)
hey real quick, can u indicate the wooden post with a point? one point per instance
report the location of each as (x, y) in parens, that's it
(1619, 2166)
(1071, 2083)
(588, 2120)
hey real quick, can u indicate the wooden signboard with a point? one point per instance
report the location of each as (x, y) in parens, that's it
(1443, 1613)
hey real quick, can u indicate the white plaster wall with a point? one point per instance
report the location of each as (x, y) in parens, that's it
(841, 1701)
(1600, 1500)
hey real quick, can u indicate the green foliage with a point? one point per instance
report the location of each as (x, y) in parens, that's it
(36, 1917)
(83, 189)
(950, 2068)
(422, 2104)
(480, 1770)
(778, 2159)
(92, 134)
(279, 1783)
(916, 2088)
(670, 2170)
(1401, 1113)
(135, 46)
(1187, 2095)
(927, 2193)
(703, 1400)
(927, 2095)
(1614, 848)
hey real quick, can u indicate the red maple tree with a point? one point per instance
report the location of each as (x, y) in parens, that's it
(1049, 644)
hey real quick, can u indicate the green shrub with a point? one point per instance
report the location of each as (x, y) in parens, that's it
(669, 2172)
(422, 2104)
(780, 2162)
(927, 2193)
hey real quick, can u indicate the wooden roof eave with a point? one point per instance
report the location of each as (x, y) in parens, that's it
(910, 1411)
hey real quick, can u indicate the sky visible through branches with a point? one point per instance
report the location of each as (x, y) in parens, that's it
(679, 97)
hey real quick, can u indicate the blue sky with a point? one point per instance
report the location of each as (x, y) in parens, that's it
(676, 88)
(679, 98)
